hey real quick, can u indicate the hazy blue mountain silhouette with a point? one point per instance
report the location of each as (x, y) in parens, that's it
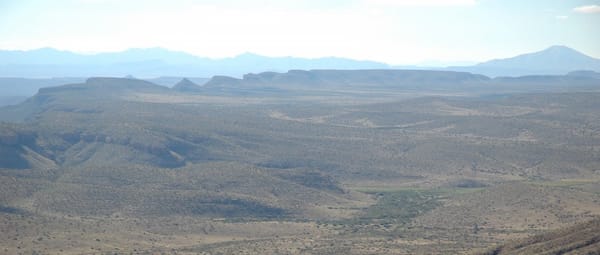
(556, 60)
(155, 62)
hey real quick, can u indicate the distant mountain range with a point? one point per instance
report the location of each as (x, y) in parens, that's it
(156, 62)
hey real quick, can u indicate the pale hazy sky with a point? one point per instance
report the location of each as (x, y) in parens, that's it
(392, 31)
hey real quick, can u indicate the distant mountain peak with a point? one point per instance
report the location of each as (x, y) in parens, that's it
(185, 85)
(562, 51)
(557, 60)
(185, 82)
(559, 48)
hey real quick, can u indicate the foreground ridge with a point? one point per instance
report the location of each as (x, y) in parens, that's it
(583, 238)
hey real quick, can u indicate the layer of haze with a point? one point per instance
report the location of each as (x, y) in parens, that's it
(392, 31)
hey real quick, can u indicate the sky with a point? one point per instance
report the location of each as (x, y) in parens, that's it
(391, 31)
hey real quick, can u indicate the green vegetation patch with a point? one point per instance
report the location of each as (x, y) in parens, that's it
(401, 206)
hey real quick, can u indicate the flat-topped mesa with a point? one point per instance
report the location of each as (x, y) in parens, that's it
(128, 83)
(366, 78)
(107, 84)
(97, 88)
(292, 77)
(186, 85)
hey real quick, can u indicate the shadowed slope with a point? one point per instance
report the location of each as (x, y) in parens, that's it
(583, 238)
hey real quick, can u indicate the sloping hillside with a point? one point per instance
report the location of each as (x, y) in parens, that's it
(583, 238)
